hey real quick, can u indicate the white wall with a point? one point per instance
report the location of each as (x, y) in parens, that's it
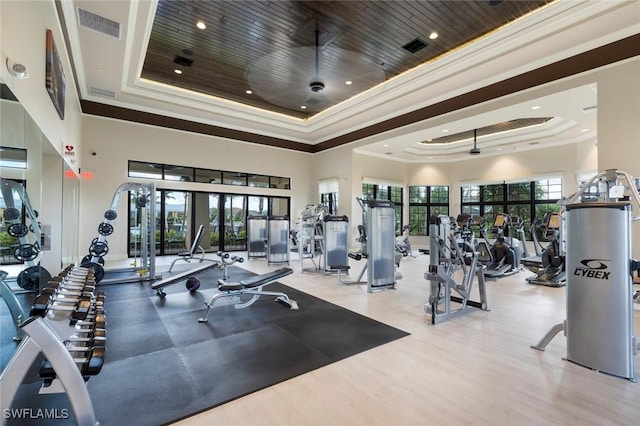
(116, 142)
(619, 125)
(50, 216)
(23, 26)
(335, 164)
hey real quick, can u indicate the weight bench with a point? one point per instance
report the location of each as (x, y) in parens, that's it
(187, 256)
(159, 285)
(251, 286)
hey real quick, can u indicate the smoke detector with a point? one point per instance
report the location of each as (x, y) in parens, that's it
(17, 69)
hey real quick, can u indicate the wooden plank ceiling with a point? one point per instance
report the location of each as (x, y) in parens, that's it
(277, 49)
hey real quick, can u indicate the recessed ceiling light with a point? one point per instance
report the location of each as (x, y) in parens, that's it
(303, 107)
(201, 25)
(535, 107)
(178, 71)
(348, 82)
(433, 35)
(386, 145)
(430, 158)
(248, 92)
(445, 131)
(584, 130)
(498, 149)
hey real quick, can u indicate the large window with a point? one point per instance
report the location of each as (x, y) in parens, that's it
(330, 201)
(525, 201)
(13, 157)
(141, 169)
(425, 201)
(180, 213)
(385, 192)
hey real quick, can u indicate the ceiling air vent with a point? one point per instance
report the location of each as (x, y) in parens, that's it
(415, 45)
(98, 23)
(181, 60)
(105, 93)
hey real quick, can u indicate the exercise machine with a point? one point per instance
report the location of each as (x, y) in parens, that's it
(356, 255)
(505, 255)
(335, 244)
(278, 240)
(446, 256)
(549, 266)
(478, 224)
(256, 236)
(465, 237)
(252, 287)
(599, 296)
(310, 236)
(378, 247)
(322, 237)
(381, 251)
(226, 260)
(144, 195)
(404, 245)
(28, 233)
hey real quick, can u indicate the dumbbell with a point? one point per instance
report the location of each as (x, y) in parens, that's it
(85, 335)
(96, 322)
(78, 309)
(65, 294)
(83, 345)
(73, 281)
(62, 294)
(89, 364)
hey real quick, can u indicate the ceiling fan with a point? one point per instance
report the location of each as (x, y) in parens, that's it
(312, 78)
(475, 150)
(316, 85)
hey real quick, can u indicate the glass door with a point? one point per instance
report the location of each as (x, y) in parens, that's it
(215, 222)
(176, 217)
(235, 222)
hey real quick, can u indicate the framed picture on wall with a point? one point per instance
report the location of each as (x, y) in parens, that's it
(55, 81)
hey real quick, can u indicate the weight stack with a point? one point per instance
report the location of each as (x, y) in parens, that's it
(599, 326)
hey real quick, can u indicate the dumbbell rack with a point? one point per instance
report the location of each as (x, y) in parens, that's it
(66, 326)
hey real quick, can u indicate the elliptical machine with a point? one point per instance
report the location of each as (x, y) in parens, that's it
(549, 267)
(505, 254)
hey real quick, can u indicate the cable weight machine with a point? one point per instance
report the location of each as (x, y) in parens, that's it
(24, 229)
(446, 256)
(144, 195)
(599, 303)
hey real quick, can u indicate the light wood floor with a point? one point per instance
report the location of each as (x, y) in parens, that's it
(476, 369)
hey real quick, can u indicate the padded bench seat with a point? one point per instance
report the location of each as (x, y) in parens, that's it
(251, 286)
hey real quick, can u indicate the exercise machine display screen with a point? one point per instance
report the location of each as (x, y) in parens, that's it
(554, 221)
(499, 223)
